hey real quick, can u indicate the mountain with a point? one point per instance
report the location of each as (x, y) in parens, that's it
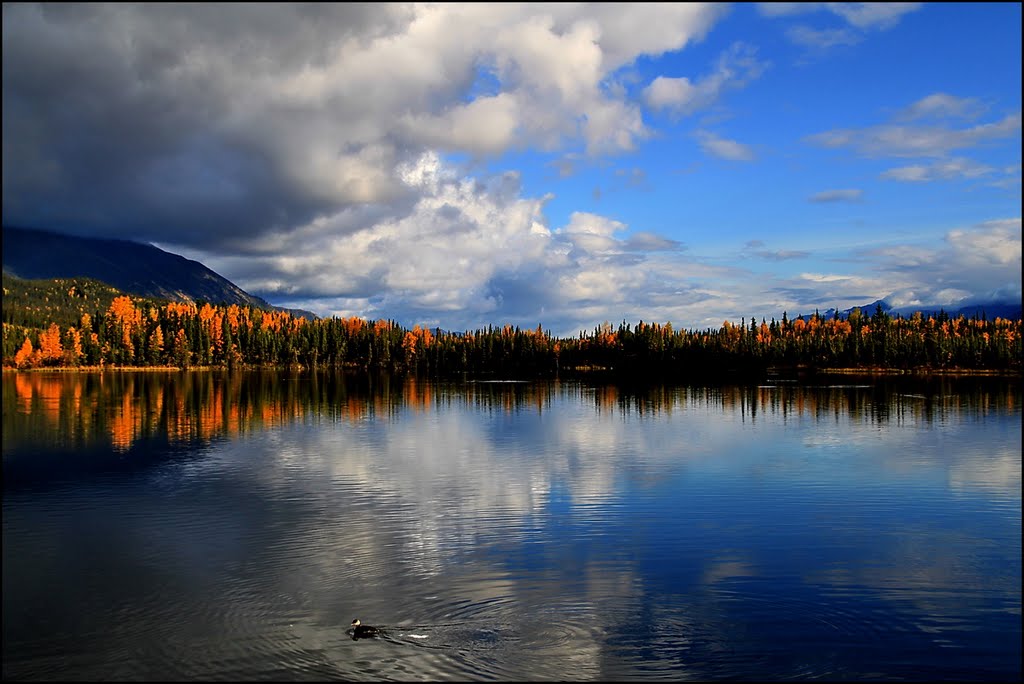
(131, 267)
(991, 309)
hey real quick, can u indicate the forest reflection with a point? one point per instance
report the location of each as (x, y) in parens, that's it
(121, 408)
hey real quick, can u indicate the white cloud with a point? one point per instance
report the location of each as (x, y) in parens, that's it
(723, 148)
(979, 262)
(858, 19)
(824, 277)
(942, 105)
(1010, 179)
(942, 170)
(975, 264)
(991, 244)
(469, 252)
(644, 241)
(917, 141)
(822, 39)
(872, 15)
(782, 254)
(912, 139)
(735, 68)
(487, 125)
(843, 195)
(860, 15)
(757, 249)
(678, 93)
(583, 223)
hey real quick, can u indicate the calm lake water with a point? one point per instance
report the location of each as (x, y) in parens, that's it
(222, 526)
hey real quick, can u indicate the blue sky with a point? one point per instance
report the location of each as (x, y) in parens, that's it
(563, 165)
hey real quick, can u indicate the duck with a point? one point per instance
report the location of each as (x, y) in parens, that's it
(361, 631)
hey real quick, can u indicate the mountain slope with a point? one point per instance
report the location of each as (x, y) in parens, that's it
(132, 267)
(35, 304)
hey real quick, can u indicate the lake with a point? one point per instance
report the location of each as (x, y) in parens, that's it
(230, 526)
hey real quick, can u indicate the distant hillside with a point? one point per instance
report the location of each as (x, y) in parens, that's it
(132, 267)
(35, 304)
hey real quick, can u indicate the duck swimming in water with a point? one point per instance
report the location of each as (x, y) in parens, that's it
(361, 631)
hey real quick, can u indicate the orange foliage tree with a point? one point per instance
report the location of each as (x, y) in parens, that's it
(50, 349)
(24, 357)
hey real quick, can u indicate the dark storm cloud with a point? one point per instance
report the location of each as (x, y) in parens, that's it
(518, 294)
(228, 127)
(124, 121)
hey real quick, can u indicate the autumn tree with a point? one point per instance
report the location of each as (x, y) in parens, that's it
(50, 349)
(73, 349)
(155, 346)
(124, 321)
(24, 357)
(181, 352)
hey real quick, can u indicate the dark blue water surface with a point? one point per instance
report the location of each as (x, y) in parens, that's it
(229, 526)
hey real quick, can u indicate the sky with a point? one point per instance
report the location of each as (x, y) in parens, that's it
(561, 165)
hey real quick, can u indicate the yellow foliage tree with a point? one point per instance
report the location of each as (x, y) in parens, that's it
(156, 345)
(73, 349)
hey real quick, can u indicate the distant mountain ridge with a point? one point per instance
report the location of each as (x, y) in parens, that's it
(131, 267)
(990, 310)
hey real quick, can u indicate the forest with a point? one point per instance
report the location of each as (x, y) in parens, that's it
(69, 323)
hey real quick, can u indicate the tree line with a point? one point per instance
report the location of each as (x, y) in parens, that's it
(128, 331)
